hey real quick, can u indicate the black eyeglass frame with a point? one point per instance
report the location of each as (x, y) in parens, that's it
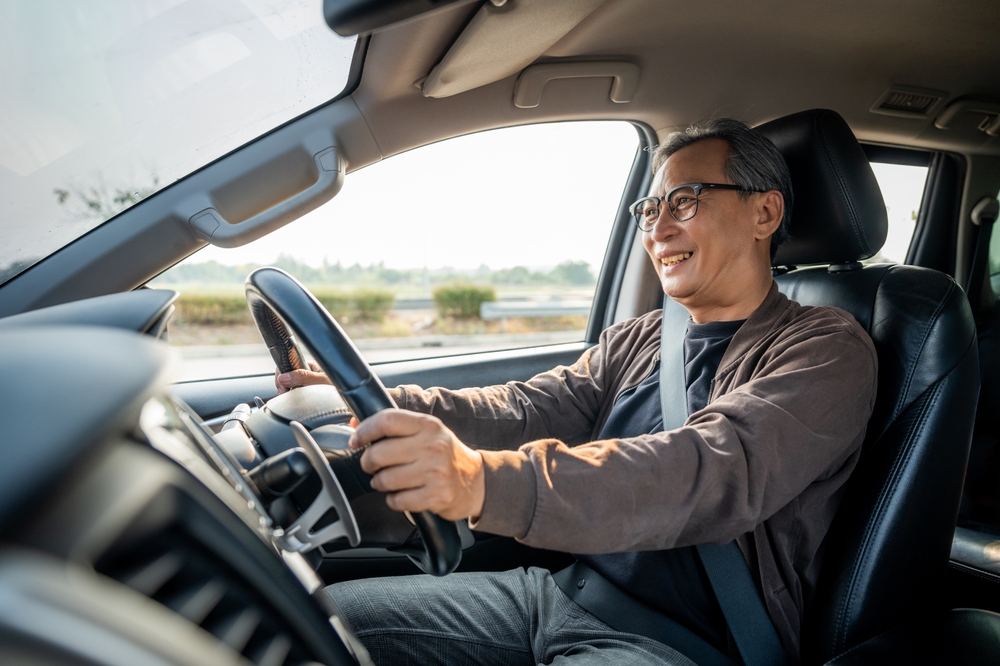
(697, 187)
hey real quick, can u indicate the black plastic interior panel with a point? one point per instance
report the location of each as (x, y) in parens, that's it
(490, 553)
(486, 369)
(355, 17)
(141, 311)
(90, 385)
(936, 236)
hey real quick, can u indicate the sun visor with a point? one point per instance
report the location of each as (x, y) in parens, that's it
(501, 41)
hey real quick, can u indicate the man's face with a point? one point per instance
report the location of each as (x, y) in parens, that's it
(722, 239)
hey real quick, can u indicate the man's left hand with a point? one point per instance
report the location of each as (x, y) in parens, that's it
(421, 465)
(296, 378)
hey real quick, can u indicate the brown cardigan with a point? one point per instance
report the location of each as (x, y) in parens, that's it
(764, 462)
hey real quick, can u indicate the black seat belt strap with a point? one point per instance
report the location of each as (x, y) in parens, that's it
(623, 613)
(730, 577)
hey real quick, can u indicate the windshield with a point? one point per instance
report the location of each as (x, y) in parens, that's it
(105, 102)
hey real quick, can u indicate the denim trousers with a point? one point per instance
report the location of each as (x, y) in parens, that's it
(512, 618)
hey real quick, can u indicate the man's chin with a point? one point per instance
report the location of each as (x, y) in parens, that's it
(677, 290)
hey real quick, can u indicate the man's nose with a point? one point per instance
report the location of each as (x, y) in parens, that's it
(665, 226)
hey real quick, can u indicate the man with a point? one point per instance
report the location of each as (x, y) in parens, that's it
(575, 459)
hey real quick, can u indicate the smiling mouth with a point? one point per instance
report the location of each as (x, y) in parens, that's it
(675, 259)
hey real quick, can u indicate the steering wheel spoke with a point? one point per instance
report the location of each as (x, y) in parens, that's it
(300, 535)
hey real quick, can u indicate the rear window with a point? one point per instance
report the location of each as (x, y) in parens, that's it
(902, 188)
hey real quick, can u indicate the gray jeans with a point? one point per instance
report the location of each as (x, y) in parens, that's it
(502, 619)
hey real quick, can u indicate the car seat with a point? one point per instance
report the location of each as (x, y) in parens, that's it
(886, 555)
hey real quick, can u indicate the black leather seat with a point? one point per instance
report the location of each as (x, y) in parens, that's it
(887, 552)
(981, 501)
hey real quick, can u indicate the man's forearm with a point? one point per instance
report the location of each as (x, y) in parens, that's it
(505, 417)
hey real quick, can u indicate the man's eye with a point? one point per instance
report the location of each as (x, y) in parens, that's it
(650, 212)
(680, 202)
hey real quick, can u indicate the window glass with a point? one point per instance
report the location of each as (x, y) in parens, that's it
(995, 256)
(105, 102)
(483, 242)
(903, 190)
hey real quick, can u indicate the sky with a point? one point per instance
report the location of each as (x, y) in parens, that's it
(902, 188)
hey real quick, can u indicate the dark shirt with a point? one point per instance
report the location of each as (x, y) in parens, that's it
(672, 581)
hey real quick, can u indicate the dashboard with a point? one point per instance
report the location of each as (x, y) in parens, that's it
(130, 535)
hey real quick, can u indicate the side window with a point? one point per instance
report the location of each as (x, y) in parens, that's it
(483, 242)
(994, 266)
(903, 190)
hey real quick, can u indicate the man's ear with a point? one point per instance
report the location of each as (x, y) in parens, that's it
(770, 210)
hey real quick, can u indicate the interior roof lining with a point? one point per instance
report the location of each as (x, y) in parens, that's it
(844, 59)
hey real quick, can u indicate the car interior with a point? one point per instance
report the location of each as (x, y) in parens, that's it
(154, 520)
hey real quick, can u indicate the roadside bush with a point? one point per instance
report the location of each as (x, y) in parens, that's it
(212, 309)
(372, 304)
(462, 300)
(336, 302)
(362, 305)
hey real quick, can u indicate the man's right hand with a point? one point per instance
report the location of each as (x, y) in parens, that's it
(296, 378)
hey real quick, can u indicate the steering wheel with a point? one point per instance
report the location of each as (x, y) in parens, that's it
(280, 305)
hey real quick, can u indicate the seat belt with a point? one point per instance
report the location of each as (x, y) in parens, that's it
(730, 577)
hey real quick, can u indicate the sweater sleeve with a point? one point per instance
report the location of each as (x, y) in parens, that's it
(562, 403)
(730, 467)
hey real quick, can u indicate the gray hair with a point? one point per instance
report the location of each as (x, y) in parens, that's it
(753, 162)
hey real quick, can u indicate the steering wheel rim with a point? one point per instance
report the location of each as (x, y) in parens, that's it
(280, 305)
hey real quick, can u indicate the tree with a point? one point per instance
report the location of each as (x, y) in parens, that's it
(574, 272)
(102, 202)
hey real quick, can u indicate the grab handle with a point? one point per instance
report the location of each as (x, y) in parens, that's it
(209, 224)
(529, 86)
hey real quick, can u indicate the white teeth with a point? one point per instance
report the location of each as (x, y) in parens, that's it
(676, 259)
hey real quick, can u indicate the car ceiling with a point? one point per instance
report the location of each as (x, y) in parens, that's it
(753, 61)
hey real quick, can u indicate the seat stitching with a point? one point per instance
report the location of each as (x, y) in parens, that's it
(881, 504)
(856, 228)
(898, 407)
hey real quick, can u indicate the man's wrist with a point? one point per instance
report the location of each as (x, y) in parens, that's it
(478, 489)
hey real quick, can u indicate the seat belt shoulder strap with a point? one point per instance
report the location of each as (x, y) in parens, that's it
(730, 577)
(747, 618)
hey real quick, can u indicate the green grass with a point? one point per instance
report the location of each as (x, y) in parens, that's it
(227, 308)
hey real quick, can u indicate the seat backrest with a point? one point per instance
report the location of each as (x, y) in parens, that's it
(980, 509)
(887, 551)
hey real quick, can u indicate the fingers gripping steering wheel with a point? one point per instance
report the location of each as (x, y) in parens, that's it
(280, 306)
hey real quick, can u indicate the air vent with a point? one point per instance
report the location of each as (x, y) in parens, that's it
(906, 102)
(176, 572)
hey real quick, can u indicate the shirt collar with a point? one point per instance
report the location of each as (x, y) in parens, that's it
(764, 319)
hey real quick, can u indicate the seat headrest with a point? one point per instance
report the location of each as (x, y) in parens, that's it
(839, 215)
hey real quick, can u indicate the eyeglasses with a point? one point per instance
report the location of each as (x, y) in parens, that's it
(682, 201)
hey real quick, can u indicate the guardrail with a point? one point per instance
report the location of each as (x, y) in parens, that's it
(503, 309)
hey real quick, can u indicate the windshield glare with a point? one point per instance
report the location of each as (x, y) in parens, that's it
(107, 101)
